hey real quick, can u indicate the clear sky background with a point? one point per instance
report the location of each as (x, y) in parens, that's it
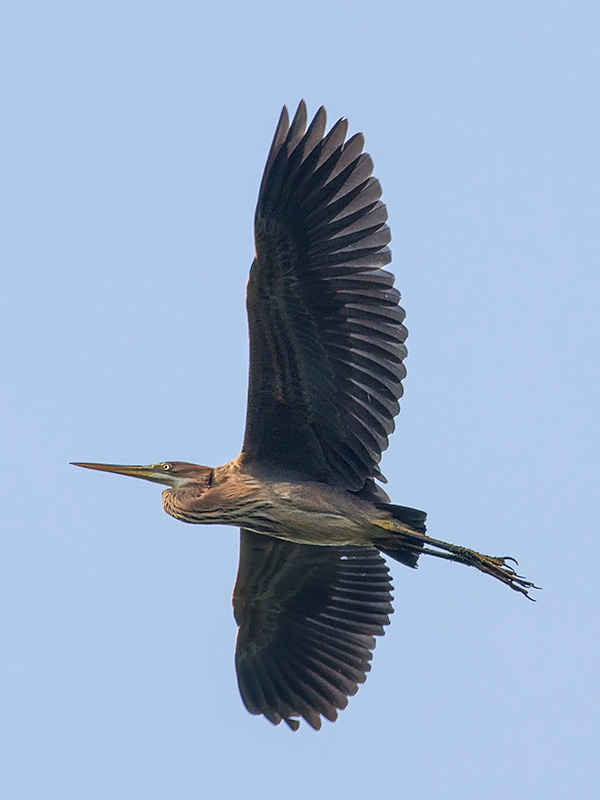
(133, 139)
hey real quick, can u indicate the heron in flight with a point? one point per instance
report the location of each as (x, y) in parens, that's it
(326, 369)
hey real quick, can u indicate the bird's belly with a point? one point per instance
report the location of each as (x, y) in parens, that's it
(300, 517)
(323, 529)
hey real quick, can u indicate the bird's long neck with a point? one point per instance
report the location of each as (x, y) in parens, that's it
(233, 498)
(184, 503)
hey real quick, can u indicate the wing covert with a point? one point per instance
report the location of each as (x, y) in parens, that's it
(326, 332)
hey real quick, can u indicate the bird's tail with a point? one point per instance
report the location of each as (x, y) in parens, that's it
(411, 519)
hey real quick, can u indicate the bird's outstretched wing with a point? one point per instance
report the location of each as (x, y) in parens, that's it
(326, 333)
(307, 618)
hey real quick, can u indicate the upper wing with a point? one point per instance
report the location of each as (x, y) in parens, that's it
(326, 333)
(307, 619)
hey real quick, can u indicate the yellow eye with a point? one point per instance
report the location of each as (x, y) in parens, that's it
(166, 467)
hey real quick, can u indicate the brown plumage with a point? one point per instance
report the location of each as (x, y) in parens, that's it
(326, 369)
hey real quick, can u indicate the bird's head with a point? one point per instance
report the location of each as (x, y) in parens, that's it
(175, 474)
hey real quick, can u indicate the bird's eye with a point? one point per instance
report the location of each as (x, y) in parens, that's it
(166, 467)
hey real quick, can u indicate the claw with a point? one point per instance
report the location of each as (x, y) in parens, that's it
(498, 568)
(500, 561)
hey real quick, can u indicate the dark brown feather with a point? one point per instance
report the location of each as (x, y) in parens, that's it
(308, 617)
(326, 332)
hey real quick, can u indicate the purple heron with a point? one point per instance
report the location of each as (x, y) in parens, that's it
(326, 369)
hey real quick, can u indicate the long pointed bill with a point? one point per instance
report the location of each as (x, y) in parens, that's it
(147, 473)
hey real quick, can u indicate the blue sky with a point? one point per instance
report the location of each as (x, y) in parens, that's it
(133, 140)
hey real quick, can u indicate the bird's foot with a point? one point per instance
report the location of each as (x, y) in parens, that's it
(496, 566)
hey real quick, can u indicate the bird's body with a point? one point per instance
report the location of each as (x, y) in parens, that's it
(326, 369)
(266, 500)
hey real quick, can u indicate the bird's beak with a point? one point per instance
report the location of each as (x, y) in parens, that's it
(150, 473)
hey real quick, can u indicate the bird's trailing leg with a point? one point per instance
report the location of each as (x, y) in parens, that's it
(496, 566)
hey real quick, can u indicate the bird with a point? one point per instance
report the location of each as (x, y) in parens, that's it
(327, 350)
